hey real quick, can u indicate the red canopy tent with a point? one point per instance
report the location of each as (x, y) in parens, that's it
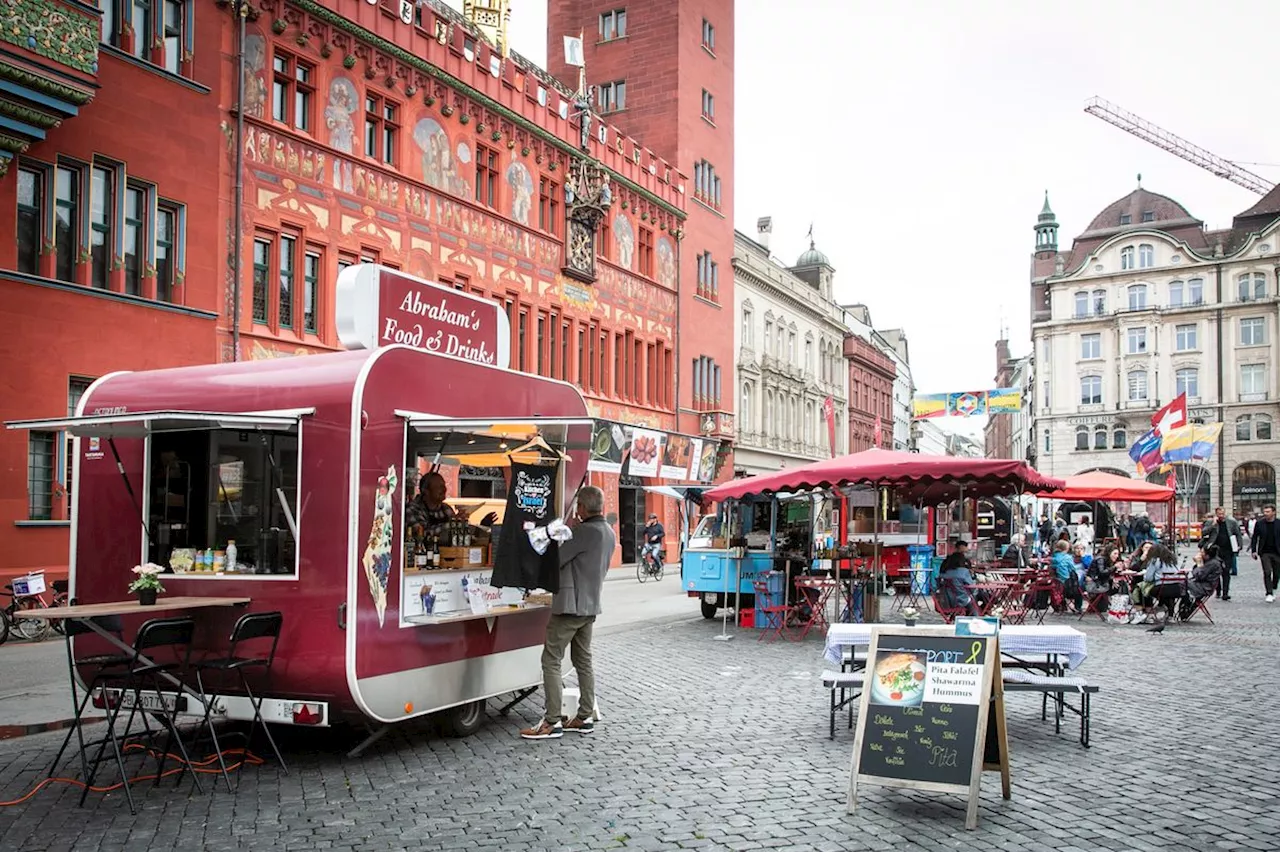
(1096, 485)
(925, 478)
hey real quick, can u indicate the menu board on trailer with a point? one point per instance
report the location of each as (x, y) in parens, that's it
(608, 444)
(927, 712)
(675, 457)
(646, 452)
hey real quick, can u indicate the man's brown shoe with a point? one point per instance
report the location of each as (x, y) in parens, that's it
(543, 731)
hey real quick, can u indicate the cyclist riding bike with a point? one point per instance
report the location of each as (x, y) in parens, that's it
(651, 552)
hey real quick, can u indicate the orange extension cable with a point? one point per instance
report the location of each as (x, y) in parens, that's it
(247, 757)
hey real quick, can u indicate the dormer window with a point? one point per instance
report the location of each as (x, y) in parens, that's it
(1125, 219)
(1148, 215)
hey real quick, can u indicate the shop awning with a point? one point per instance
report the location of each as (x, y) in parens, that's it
(924, 478)
(140, 424)
(1097, 485)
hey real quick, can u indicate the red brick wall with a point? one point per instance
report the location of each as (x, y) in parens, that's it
(666, 69)
(164, 133)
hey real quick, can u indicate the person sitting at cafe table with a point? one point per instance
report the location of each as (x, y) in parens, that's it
(956, 576)
(1160, 564)
(429, 509)
(1100, 577)
(1066, 583)
(1204, 580)
(1016, 554)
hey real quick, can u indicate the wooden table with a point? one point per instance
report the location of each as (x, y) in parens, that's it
(82, 612)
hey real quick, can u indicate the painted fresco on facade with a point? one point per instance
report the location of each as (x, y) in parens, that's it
(255, 87)
(521, 184)
(624, 239)
(439, 162)
(666, 262)
(343, 102)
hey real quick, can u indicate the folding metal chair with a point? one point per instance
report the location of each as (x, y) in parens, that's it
(817, 593)
(252, 627)
(776, 615)
(99, 668)
(143, 674)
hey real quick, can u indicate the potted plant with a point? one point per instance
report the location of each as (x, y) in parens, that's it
(909, 616)
(147, 586)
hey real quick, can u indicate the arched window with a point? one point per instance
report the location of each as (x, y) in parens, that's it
(1195, 291)
(1146, 256)
(1100, 438)
(1137, 385)
(1082, 303)
(1120, 440)
(1126, 257)
(1082, 438)
(1253, 485)
(1091, 390)
(1244, 427)
(1137, 297)
(1251, 286)
(747, 408)
(1187, 380)
(1048, 441)
(1099, 302)
(766, 425)
(1177, 296)
(1262, 426)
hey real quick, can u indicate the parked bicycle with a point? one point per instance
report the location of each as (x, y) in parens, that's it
(25, 594)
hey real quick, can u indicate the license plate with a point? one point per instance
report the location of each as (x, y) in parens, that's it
(712, 598)
(164, 703)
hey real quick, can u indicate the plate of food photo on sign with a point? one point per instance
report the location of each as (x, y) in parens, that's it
(646, 450)
(898, 680)
(675, 457)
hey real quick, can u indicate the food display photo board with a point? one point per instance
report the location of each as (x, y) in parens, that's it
(931, 715)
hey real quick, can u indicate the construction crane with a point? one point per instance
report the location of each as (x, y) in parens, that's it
(1176, 145)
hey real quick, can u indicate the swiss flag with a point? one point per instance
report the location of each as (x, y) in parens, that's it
(1171, 416)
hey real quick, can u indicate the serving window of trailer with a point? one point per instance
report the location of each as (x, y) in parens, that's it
(219, 491)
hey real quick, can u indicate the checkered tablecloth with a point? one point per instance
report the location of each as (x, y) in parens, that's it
(1014, 639)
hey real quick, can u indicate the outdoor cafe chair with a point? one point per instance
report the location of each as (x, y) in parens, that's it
(143, 675)
(775, 614)
(94, 670)
(945, 610)
(254, 627)
(816, 592)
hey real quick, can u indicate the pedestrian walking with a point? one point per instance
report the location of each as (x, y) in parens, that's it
(1265, 545)
(584, 562)
(1224, 532)
(1122, 532)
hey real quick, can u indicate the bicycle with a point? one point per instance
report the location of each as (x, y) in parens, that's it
(31, 629)
(650, 564)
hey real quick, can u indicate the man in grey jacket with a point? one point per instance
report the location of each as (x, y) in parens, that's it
(1223, 531)
(584, 561)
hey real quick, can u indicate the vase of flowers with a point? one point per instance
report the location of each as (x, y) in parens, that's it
(909, 615)
(147, 586)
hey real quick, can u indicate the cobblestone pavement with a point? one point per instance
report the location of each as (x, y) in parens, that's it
(723, 745)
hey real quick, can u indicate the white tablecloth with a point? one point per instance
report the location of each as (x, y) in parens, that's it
(1014, 639)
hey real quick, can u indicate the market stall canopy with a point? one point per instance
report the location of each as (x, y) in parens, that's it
(922, 478)
(1097, 485)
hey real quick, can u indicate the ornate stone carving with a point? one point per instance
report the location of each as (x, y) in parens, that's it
(54, 31)
(588, 197)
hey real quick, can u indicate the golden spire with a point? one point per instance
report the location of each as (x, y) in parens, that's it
(491, 17)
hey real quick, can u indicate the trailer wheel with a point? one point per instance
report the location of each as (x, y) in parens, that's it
(708, 609)
(463, 720)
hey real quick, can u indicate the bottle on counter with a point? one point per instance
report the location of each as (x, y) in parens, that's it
(231, 556)
(420, 554)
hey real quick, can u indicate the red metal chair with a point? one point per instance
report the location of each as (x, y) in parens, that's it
(947, 612)
(817, 592)
(775, 615)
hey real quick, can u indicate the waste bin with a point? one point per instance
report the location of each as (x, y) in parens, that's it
(775, 581)
(921, 569)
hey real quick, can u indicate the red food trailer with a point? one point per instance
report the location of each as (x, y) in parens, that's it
(306, 463)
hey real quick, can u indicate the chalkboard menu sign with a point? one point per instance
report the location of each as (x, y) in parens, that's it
(925, 713)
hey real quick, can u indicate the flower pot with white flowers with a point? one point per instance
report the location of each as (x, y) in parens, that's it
(147, 586)
(909, 615)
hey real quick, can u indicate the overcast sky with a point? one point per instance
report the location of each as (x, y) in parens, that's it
(919, 139)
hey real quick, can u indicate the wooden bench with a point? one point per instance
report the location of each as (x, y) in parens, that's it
(1016, 680)
(849, 685)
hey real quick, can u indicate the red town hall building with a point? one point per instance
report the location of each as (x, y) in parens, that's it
(382, 132)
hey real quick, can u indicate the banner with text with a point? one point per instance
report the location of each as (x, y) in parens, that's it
(967, 403)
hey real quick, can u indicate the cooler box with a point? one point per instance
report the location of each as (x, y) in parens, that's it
(747, 618)
(921, 569)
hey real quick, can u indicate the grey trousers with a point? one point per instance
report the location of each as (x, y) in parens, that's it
(572, 632)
